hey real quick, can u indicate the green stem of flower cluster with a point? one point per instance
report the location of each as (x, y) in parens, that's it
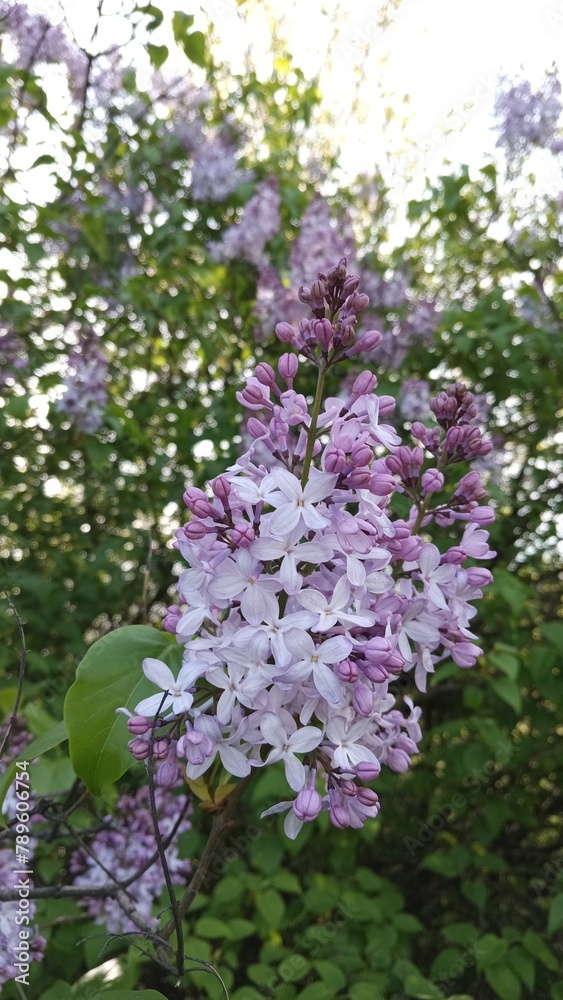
(321, 378)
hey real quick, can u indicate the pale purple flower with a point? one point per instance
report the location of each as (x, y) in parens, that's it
(296, 504)
(176, 696)
(285, 746)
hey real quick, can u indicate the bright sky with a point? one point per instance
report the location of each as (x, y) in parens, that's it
(438, 58)
(407, 97)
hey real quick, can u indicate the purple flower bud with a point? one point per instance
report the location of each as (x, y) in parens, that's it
(361, 454)
(307, 805)
(478, 576)
(377, 650)
(265, 374)
(347, 671)
(285, 333)
(256, 428)
(339, 816)
(364, 384)
(381, 485)
(349, 788)
(138, 725)
(287, 367)
(368, 797)
(201, 507)
(254, 395)
(465, 654)
(482, 515)
(194, 530)
(367, 342)
(243, 535)
(432, 481)
(167, 774)
(358, 479)
(324, 333)
(192, 494)
(362, 700)
(367, 770)
(160, 749)
(304, 295)
(139, 748)
(221, 487)
(171, 618)
(334, 459)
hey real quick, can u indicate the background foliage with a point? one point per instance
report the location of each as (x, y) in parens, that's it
(457, 890)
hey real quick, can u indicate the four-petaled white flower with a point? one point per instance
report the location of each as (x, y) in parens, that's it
(177, 697)
(286, 746)
(240, 578)
(317, 660)
(295, 504)
(348, 752)
(334, 611)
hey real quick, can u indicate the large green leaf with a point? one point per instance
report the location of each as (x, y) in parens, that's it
(109, 677)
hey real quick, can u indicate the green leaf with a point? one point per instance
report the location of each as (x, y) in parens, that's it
(158, 54)
(41, 745)
(416, 985)
(316, 991)
(262, 974)
(286, 882)
(509, 691)
(181, 24)
(460, 933)
(489, 950)
(109, 677)
(134, 995)
(271, 907)
(555, 917)
(293, 968)
(538, 948)
(194, 47)
(508, 662)
(210, 927)
(504, 982)
(523, 965)
(331, 973)
(553, 632)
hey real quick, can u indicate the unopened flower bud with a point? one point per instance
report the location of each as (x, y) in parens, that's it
(367, 797)
(243, 535)
(139, 748)
(194, 530)
(160, 749)
(287, 367)
(367, 770)
(139, 725)
(368, 341)
(285, 333)
(307, 805)
(167, 774)
(334, 459)
(432, 481)
(347, 671)
(265, 374)
(482, 515)
(221, 487)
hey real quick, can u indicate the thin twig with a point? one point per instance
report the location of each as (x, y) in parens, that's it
(220, 821)
(21, 675)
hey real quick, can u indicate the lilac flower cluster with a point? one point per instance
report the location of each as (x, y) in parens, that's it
(13, 356)
(85, 388)
(526, 118)
(305, 597)
(215, 172)
(246, 240)
(122, 849)
(414, 399)
(322, 238)
(37, 40)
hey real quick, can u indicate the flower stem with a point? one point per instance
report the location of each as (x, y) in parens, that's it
(314, 418)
